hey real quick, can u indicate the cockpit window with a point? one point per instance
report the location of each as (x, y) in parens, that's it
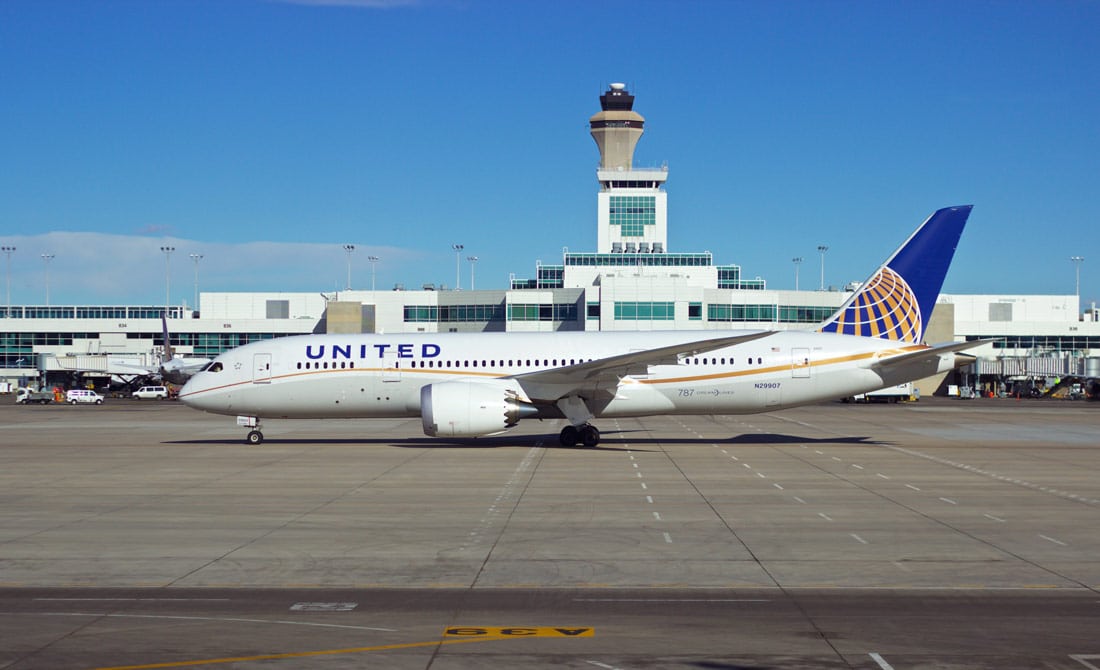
(213, 366)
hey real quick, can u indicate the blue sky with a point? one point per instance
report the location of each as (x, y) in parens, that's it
(266, 134)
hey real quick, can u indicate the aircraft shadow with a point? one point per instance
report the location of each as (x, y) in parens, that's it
(775, 438)
(609, 441)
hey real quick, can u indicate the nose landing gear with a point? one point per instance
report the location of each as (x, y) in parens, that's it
(254, 436)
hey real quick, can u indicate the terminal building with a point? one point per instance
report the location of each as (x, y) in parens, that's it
(632, 281)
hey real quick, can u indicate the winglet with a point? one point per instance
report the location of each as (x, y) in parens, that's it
(897, 301)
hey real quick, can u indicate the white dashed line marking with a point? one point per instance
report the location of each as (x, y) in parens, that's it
(858, 538)
(998, 477)
(1051, 539)
(881, 661)
(997, 519)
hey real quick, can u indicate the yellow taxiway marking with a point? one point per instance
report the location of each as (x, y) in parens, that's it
(452, 635)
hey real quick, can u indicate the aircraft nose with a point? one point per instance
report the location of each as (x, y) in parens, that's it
(192, 393)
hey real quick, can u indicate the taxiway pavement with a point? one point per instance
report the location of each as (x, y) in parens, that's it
(946, 534)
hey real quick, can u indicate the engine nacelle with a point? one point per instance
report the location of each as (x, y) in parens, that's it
(472, 409)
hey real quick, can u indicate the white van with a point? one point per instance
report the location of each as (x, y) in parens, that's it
(83, 396)
(150, 393)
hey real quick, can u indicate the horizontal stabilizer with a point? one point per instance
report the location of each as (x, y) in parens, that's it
(930, 355)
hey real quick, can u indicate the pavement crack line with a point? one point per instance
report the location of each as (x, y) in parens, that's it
(339, 496)
(945, 524)
(526, 469)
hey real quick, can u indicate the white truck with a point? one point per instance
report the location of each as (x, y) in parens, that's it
(25, 396)
(899, 393)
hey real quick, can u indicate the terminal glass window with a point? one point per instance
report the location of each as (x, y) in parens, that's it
(542, 312)
(454, 313)
(740, 312)
(645, 311)
(795, 314)
(633, 213)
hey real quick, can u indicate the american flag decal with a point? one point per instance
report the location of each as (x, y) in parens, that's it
(885, 307)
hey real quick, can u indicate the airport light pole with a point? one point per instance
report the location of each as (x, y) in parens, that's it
(458, 265)
(473, 261)
(167, 281)
(349, 248)
(373, 261)
(822, 249)
(196, 258)
(46, 258)
(1077, 260)
(8, 252)
(797, 260)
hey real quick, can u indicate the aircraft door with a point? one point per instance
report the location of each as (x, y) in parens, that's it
(391, 369)
(800, 362)
(261, 368)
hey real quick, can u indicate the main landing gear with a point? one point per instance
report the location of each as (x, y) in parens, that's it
(254, 437)
(588, 435)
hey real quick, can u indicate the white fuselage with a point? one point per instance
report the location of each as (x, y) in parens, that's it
(323, 376)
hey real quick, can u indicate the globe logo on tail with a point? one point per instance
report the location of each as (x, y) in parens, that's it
(885, 307)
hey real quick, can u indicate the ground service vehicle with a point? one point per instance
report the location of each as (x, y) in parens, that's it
(79, 396)
(27, 396)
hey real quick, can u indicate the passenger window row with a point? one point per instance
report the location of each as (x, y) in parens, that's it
(510, 363)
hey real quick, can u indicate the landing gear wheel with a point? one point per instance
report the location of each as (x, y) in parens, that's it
(568, 437)
(590, 435)
(254, 437)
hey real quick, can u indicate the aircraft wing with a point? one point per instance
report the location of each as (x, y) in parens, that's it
(551, 385)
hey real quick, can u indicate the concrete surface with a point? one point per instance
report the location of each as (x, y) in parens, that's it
(940, 534)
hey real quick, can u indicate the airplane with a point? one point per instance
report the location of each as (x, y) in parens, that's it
(465, 385)
(173, 367)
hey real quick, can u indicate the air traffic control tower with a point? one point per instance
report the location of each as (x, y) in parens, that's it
(633, 275)
(633, 213)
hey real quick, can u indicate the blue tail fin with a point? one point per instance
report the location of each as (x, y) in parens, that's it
(896, 302)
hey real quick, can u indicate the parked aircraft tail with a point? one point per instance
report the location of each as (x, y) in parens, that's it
(168, 353)
(897, 301)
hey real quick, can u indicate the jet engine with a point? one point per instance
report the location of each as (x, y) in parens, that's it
(472, 408)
